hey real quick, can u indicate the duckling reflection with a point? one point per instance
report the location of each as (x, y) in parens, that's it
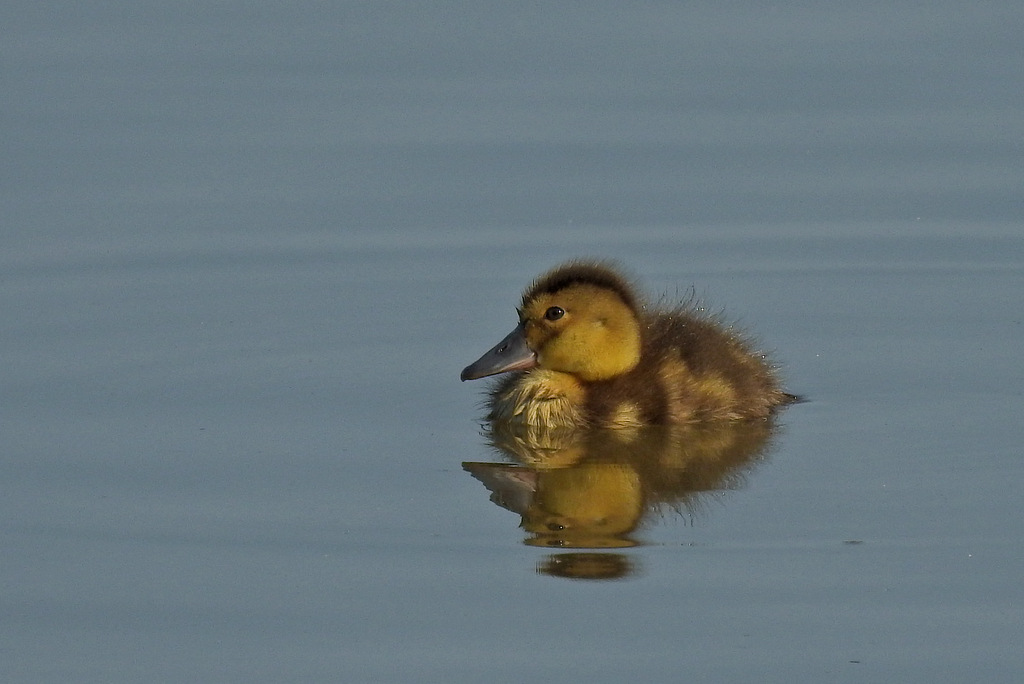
(588, 566)
(592, 489)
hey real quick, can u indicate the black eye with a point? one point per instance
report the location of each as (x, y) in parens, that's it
(554, 313)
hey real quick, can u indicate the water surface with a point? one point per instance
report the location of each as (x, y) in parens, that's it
(248, 248)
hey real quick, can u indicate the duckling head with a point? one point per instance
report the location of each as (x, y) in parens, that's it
(581, 319)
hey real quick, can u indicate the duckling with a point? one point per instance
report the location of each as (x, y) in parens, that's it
(588, 352)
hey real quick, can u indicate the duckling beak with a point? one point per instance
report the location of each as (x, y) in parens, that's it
(512, 353)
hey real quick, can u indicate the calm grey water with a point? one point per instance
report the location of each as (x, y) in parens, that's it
(247, 248)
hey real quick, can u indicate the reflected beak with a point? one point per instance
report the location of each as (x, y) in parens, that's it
(511, 354)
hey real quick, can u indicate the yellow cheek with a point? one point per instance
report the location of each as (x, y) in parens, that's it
(562, 353)
(593, 353)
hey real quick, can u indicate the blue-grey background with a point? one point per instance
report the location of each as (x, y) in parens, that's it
(247, 248)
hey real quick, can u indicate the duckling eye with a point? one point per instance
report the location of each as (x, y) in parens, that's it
(554, 313)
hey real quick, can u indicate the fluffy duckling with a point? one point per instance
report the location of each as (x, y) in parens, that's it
(589, 353)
